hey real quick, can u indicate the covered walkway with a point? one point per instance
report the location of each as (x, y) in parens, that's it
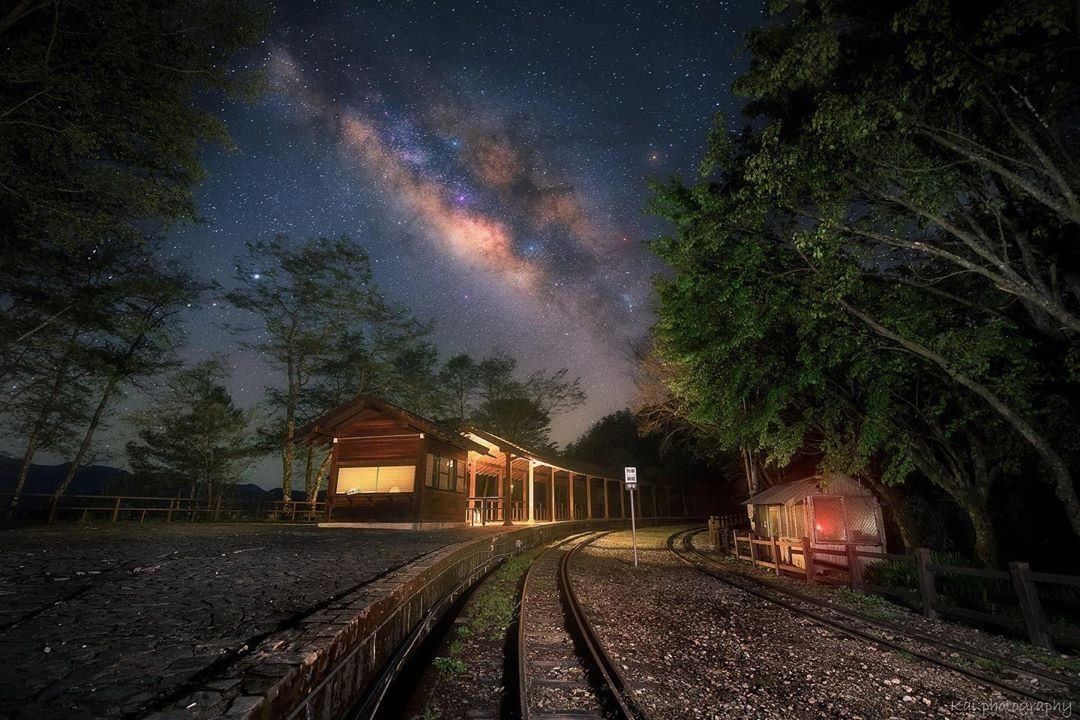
(537, 487)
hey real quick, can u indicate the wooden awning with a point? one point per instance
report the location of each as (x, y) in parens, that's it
(575, 466)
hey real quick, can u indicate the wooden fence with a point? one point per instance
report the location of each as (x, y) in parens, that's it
(1024, 583)
(112, 508)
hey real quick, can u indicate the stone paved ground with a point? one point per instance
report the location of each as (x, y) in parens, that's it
(103, 621)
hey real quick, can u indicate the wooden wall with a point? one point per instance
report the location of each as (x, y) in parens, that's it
(372, 438)
(443, 505)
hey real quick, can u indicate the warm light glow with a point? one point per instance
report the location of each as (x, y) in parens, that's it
(386, 479)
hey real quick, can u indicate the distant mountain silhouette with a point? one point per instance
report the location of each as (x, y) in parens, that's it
(89, 480)
(105, 480)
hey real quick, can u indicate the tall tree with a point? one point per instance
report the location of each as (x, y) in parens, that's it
(140, 340)
(881, 265)
(760, 352)
(85, 158)
(459, 377)
(193, 436)
(521, 410)
(315, 302)
(936, 139)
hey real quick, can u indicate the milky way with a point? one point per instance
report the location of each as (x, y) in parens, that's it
(492, 157)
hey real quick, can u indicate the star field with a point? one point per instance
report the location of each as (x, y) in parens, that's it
(493, 158)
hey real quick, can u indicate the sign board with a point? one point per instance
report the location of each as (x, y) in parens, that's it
(630, 479)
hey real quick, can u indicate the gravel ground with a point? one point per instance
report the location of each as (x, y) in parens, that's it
(957, 633)
(100, 621)
(694, 647)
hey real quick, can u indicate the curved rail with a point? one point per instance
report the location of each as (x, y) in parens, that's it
(849, 622)
(611, 686)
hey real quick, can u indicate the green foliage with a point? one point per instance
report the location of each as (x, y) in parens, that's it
(100, 144)
(194, 438)
(449, 665)
(101, 131)
(873, 271)
(489, 394)
(323, 323)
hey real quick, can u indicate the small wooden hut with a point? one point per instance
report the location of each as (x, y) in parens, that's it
(392, 466)
(833, 511)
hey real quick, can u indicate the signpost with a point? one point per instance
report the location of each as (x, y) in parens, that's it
(630, 479)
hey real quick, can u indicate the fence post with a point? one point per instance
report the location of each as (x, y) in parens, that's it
(927, 589)
(808, 560)
(776, 554)
(1030, 606)
(52, 509)
(753, 549)
(854, 572)
(116, 509)
(735, 544)
(217, 509)
(168, 515)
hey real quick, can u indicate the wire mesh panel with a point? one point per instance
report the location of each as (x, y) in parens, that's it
(828, 518)
(862, 520)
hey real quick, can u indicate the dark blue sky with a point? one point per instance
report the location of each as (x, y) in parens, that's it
(493, 158)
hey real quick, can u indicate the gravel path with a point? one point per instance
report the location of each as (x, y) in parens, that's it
(697, 648)
(101, 621)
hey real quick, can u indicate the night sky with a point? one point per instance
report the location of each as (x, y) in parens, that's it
(493, 158)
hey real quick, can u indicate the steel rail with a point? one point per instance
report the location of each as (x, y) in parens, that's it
(1072, 684)
(613, 688)
(695, 558)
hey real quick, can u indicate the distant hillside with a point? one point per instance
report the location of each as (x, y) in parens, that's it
(104, 480)
(89, 480)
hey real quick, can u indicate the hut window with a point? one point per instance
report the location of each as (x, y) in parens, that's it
(861, 518)
(442, 474)
(829, 518)
(459, 484)
(382, 479)
(774, 521)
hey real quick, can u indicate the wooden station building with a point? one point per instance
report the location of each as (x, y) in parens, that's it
(393, 468)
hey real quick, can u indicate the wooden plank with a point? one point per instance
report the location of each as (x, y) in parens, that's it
(927, 589)
(1055, 578)
(1028, 596)
(969, 571)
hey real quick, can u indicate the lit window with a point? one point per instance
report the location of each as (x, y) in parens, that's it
(386, 479)
(446, 473)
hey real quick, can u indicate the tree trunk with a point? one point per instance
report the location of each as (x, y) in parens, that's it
(894, 501)
(40, 423)
(973, 501)
(287, 447)
(24, 468)
(986, 545)
(88, 438)
(324, 466)
(309, 468)
(1063, 481)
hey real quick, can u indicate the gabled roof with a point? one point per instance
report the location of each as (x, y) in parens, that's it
(574, 466)
(795, 491)
(325, 423)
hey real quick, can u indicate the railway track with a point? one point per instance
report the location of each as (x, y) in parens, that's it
(1022, 682)
(563, 671)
